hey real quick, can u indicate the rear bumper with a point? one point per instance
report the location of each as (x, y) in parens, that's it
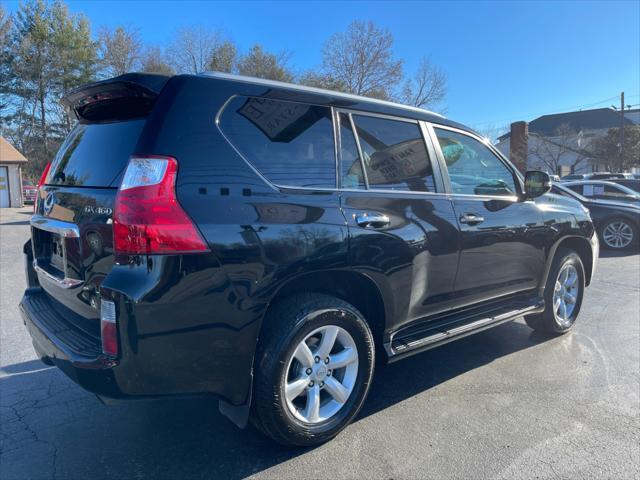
(77, 355)
(180, 333)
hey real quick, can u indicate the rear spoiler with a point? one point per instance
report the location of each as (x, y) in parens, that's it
(120, 98)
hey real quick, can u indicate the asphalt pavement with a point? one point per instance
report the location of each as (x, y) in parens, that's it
(505, 403)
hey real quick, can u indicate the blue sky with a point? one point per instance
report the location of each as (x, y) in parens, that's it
(505, 61)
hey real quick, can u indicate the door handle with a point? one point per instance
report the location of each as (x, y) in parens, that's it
(375, 220)
(471, 219)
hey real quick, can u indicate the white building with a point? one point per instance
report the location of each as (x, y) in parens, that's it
(11, 161)
(559, 141)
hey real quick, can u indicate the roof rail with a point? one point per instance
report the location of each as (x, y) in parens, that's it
(304, 88)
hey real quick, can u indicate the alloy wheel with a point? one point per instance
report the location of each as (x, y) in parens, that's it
(617, 234)
(565, 295)
(321, 374)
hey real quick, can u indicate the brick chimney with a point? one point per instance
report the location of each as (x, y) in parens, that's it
(519, 145)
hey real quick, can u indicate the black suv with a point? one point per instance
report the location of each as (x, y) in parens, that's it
(266, 243)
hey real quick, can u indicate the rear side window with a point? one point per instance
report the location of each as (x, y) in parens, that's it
(395, 155)
(95, 155)
(291, 144)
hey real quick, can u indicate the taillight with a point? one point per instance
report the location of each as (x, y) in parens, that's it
(42, 181)
(147, 217)
(108, 328)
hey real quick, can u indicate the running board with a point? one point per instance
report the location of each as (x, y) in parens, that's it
(431, 334)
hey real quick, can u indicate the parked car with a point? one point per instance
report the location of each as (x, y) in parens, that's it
(633, 184)
(29, 191)
(604, 190)
(592, 176)
(617, 223)
(266, 242)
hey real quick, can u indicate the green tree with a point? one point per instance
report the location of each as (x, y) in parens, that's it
(223, 57)
(606, 149)
(321, 80)
(51, 52)
(260, 63)
(6, 55)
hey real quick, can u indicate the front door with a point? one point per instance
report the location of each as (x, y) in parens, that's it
(502, 241)
(402, 226)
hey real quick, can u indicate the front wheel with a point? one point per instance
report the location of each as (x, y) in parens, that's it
(562, 294)
(313, 369)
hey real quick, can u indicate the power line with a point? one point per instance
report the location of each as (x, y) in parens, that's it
(560, 110)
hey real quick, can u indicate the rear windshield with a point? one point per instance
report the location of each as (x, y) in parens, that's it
(95, 155)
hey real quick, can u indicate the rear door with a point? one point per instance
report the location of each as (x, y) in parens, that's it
(72, 236)
(72, 229)
(402, 227)
(502, 237)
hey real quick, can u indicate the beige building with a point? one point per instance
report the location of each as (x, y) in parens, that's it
(11, 161)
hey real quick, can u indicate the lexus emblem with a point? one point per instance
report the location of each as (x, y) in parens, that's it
(49, 201)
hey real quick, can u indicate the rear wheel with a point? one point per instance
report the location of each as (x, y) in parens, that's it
(618, 234)
(313, 369)
(562, 294)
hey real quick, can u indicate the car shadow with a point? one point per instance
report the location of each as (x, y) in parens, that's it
(605, 253)
(188, 438)
(25, 222)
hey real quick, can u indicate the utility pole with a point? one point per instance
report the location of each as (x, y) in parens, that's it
(621, 130)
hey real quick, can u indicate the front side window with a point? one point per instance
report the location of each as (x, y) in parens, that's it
(291, 144)
(395, 155)
(473, 168)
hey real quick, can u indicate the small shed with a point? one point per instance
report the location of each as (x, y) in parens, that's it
(11, 161)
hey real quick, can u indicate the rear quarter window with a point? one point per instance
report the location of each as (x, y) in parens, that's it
(95, 155)
(290, 144)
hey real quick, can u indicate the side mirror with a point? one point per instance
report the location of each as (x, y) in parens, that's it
(536, 184)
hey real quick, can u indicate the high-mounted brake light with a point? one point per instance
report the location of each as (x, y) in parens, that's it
(42, 181)
(147, 217)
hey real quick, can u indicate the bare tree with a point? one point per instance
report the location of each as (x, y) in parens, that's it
(193, 49)
(263, 64)
(362, 60)
(492, 131)
(427, 88)
(564, 147)
(154, 61)
(120, 50)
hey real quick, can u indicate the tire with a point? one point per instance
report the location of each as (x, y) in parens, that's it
(310, 319)
(618, 234)
(554, 320)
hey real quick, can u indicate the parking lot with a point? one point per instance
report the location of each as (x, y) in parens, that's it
(506, 403)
